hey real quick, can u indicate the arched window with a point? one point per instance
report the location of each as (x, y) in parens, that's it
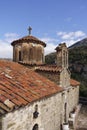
(19, 55)
(64, 58)
(31, 54)
(36, 113)
(39, 53)
(35, 127)
(65, 113)
(25, 52)
(36, 107)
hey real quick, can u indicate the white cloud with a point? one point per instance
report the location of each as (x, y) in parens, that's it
(69, 19)
(48, 40)
(79, 34)
(51, 44)
(71, 37)
(9, 37)
(6, 50)
(68, 37)
(61, 33)
(50, 48)
(70, 42)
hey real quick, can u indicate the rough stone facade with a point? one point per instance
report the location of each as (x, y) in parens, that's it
(62, 55)
(51, 112)
(55, 77)
(65, 78)
(61, 78)
(29, 53)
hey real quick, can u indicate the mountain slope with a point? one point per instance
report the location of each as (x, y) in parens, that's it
(79, 43)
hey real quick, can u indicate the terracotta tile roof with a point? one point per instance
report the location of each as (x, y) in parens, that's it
(29, 38)
(74, 82)
(20, 86)
(49, 68)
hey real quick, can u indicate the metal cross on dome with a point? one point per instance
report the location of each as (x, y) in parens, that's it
(29, 29)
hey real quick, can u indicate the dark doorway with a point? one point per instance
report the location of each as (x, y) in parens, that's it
(35, 127)
(65, 116)
(19, 55)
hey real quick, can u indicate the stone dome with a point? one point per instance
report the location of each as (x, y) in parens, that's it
(28, 39)
(29, 50)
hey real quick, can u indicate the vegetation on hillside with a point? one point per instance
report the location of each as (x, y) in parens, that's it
(50, 58)
(77, 61)
(78, 54)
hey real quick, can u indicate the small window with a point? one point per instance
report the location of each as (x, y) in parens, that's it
(19, 55)
(36, 107)
(35, 127)
(36, 113)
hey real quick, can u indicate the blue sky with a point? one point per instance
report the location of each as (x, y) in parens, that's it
(52, 21)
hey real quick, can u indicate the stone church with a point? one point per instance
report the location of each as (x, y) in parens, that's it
(36, 96)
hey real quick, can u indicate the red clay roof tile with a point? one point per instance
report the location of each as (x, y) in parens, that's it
(74, 82)
(49, 68)
(22, 86)
(29, 39)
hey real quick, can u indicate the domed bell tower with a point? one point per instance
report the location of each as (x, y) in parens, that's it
(29, 50)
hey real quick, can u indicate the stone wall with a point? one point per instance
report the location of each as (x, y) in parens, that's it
(51, 112)
(65, 78)
(55, 77)
(48, 118)
(62, 55)
(70, 98)
(61, 78)
(0, 123)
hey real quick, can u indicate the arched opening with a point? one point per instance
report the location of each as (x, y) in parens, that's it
(36, 113)
(64, 58)
(19, 55)
(31, 54)
(35, 127)
(25, 52)
(43, 58)
(65, 113)
(39, 54)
